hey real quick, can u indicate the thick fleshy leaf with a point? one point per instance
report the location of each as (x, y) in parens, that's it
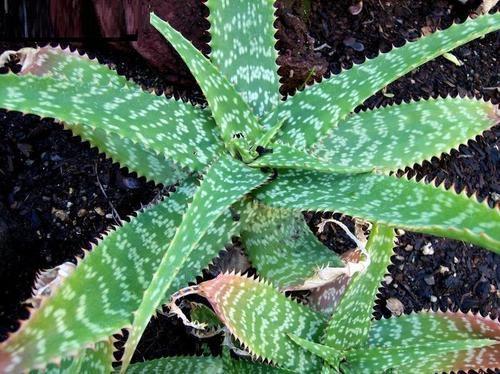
(239, 126)
(201, 364)
(428, 328)
(244, 366)
(99, 297)
(311, 113)
(176, 130)
(350, 324)
(396, 202)
(397, 136)
(260, 318)
(281, 246)
(94, 360)
(226, 181)
(82, 71)
(181, 365)
(389, 138)
(242, 41)
(420, 357)
(134, 156)
(331, 355)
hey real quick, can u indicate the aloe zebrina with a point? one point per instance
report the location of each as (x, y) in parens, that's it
(138, 266)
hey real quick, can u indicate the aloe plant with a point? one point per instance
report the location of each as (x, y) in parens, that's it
(248, 165)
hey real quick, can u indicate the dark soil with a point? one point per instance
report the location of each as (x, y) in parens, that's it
(53, 203)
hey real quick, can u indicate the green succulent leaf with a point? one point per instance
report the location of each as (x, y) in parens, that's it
(478, 335)
(243, 47)
(134, 156)
(389, 138)
(241, 303)
(82, 71)
(311, 113)
(226, 182)
(202, 364)
(331, 355)
(173, 129)
(94, 360)
(101, 295)
(350, 324)
(281, 246)
(413, 358)
(397, 136)
(238, 125)
(396, 202)
(180, 364)
(243, 366)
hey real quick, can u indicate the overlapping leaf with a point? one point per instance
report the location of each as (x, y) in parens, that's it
(311, 113)
(243, 47)
(390, 138)
(389, 200)
(173, 129)
(98, 299)
(180, 364)
(430, 342)
(224, 184)
(402, 135)
(350, 324)
(201, 364)
(260, 318)
(237, 123)
(80, 70)
(282, 247)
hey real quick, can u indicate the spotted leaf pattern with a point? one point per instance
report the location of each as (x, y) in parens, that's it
(82, 71)
(237, 123)
(202, 364)
(389, 138)
(241, 302)
(281, 246)
(226, 182)
(178, 131)
(397, 136)
(243, 47)
(134, 156)
(179, 364)
(100, 296)
(350, 324)
(311, 113)
(478, 335)
(396, 202)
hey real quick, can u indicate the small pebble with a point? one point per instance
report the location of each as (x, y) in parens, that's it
(433, 299)
(427, 250)
(409, 248)
(430, 280)
(60, 214)
(82, 213)
(395, 306)
(100, 211)
(388, 279)
(444, 269)
(456, 260)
